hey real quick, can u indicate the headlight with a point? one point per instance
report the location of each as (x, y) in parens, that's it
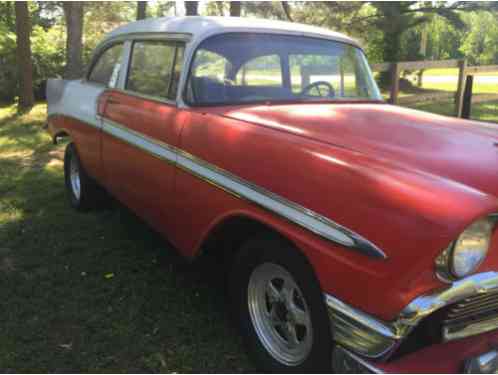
(464, 255)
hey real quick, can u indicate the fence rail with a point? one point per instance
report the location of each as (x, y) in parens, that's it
(464, 71)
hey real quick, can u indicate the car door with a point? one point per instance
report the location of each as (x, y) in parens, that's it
(141, 124)
(81, 106)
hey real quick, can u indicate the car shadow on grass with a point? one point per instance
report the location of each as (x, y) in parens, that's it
(97, 291)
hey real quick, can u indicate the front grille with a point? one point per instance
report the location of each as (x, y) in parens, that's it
(471, 316)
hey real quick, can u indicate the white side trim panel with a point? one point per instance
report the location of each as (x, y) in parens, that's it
(71, 103)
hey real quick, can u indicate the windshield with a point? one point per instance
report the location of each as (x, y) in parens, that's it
(240, 68)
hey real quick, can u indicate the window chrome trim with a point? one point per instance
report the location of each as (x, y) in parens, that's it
(128, 39)
(241, 188)
(95, 58)
(125, 60)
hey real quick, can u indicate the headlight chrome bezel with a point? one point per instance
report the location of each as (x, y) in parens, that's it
(445, 261)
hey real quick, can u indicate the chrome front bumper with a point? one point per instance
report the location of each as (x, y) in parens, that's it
(370, 337)
(486, 363)
(346, 362)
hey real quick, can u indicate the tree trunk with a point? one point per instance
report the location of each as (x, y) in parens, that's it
(73, 11)
(25, 67)
(191, 8)
(287, 10)
(235, 8)
(390, 53)
(141, 10)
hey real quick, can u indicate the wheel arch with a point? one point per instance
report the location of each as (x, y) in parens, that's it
(226, 235)
(61, 133)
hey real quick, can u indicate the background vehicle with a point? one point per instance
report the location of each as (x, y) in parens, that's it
(359, 232)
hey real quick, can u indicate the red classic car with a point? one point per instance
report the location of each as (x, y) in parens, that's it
(360, 236)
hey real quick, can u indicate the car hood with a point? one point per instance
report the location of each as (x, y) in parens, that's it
(460, 150)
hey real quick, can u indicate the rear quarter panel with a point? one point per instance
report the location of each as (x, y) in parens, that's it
(72, 109)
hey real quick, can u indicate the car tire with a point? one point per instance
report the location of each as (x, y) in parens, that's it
(279, 307)
(83, 192)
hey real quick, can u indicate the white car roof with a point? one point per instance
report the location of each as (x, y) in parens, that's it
(199, 28)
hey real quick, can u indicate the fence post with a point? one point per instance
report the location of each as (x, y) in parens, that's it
(394, 83)
(462, 65)
(467, 97)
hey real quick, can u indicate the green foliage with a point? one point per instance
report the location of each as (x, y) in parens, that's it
(47, 48)
(388, 31)
(480, 45)
(101, 18)
(443, 40)
(7, 16)
(8, 68)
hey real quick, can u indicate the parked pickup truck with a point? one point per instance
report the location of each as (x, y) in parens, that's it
(359, 235)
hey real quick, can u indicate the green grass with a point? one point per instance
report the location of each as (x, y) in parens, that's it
(95, 292)
(477, 88)
(481, 111)
(449, 72)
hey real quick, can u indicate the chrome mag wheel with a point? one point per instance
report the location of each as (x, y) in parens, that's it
(279, 314)
(74, 177)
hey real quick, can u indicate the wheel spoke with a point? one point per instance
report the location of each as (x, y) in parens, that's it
(273, 315)
(291, 334)
(273, 293)
(287, 293)
(298, 315)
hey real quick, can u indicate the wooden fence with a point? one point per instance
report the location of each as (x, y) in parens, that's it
(464, 72)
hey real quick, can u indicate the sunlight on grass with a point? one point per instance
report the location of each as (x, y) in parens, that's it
(155, 314)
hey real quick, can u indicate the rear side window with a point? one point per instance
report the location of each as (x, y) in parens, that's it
(155, 68)
(107, 68)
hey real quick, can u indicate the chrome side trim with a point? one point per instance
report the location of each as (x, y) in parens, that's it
(359, 331)
(233, 184)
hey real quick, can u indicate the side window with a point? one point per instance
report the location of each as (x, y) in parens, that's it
(260, 71)
(208, 77)
(151, 67)
(108, 66)
(210, 65)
